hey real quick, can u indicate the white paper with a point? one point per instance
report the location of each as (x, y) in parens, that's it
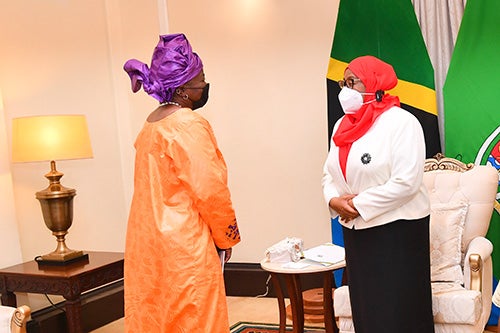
(326, 254)
(295, 265)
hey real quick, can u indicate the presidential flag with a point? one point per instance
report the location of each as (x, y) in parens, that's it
(388, 30)
(471, 106)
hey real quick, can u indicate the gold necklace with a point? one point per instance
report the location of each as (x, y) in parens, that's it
(170, 103)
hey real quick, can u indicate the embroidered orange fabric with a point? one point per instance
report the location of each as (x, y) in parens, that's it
(181, 210)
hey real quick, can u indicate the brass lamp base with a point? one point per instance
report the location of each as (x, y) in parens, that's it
(56, 202)
(63, 257)
(52, 259)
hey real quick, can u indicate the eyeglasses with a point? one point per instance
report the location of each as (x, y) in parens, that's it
(349, 83)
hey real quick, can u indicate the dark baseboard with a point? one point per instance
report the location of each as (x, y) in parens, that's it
(104, 305)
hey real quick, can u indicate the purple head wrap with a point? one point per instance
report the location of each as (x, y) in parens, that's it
(173, 64)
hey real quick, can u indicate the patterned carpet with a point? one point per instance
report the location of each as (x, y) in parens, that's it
(248, 327)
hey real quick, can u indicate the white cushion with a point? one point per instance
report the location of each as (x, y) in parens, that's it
(446, 229)
(6, 313)
(342, 302)
(453, 304)
(345, 325)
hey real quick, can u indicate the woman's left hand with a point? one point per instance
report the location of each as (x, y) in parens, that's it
(227, 254)
(344, 207)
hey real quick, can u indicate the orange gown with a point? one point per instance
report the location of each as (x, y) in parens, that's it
(181, 210)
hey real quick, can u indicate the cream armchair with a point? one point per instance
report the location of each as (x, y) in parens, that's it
(462, 200)
(13, 320)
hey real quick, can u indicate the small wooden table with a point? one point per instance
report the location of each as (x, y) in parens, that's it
(69, 281)
(294, 289)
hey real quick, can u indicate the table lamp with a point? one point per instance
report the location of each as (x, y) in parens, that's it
(51, 138)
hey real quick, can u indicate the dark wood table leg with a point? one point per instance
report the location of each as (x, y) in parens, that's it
(74, 315)
(281, 301)
(329, 315)
(294, 289)
(9, 299)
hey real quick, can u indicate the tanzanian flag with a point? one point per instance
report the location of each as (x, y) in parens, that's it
(388, 30)
(471, 102)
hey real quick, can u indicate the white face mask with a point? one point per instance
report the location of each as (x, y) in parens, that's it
(351, 100)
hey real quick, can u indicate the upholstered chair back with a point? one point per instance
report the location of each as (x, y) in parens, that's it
(476, 187)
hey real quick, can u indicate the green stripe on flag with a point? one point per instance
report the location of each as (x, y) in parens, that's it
(387, 29)
(471, 106)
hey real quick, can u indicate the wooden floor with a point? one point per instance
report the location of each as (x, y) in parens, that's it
(264, 310)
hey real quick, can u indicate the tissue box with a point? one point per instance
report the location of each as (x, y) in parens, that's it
(287, 250)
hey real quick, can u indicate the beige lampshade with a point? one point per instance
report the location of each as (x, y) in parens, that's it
(50, 138)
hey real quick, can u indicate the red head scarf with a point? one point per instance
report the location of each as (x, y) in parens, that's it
(375, 75)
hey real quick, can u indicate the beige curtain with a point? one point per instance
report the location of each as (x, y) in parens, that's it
(439, 21)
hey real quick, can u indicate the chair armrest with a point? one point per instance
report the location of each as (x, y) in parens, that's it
(478, 252)
(19, 319)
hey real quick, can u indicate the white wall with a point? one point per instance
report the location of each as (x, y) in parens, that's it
(57, 61)
(9, 233)
(266, 61)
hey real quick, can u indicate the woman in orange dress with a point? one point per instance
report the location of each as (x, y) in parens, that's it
(181, 216)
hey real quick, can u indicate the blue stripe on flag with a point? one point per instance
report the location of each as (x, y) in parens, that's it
(495, 311)
(337, 239)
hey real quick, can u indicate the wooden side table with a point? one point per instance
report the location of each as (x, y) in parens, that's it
(294, 289)
(69, 281)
